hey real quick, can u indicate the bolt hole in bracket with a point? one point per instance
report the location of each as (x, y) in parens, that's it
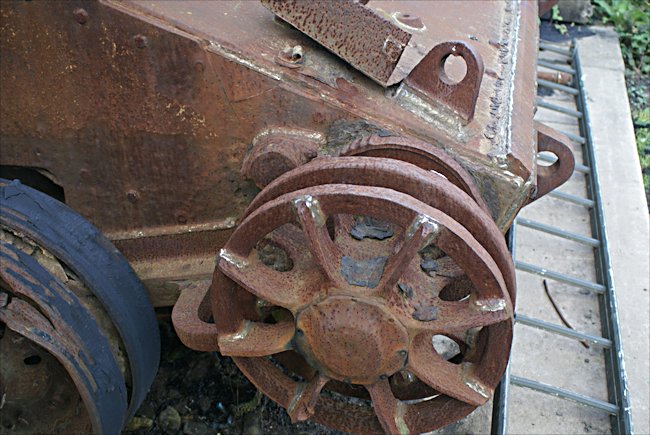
(430, 78)
(374, 45)
(553, 176)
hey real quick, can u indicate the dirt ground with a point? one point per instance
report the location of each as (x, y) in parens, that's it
(204, 392)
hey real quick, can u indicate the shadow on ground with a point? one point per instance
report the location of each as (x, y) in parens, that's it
(203, 392)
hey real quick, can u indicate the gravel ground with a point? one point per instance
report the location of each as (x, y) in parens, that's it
(204, 392)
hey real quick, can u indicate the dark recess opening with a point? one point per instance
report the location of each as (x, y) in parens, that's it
(33, 178)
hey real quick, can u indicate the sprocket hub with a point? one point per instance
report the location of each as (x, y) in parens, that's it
(351, 339)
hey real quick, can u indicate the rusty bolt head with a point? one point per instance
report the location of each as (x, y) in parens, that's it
(80, 15)
(141, 41)
(409, 20)
(132, 196)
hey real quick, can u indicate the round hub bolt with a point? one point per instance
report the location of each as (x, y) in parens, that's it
(352, 340)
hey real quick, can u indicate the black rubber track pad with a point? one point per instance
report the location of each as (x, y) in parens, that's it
(95, 365)
(99, 265)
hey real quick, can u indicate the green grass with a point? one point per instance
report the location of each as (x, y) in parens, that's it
(631, 19)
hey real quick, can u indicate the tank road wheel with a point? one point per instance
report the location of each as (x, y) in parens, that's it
(343, 275)
(75, 321)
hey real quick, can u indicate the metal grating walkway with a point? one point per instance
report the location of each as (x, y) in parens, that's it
(567, 229)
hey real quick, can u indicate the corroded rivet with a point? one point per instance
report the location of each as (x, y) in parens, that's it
(85, 174)
(140, 41)
(181, 217)
(80, 15)
(132, 196)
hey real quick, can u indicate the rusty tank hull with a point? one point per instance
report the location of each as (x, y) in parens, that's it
(269, 135)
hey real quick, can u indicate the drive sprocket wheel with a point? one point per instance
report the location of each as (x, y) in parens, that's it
(338, 270)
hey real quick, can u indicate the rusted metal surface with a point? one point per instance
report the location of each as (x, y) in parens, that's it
(37, 389)
(553, 176)
(191, 318)
(372, 43)
(276, 153)
(165, 124)
(416, 182)
(556, 77)
(378, 232)
(419, 153)
(328, 310)
(429, 77)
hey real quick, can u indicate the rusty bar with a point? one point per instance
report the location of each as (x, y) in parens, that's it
(585, 202)
(564, 394)
(577, 282)
(557, 67)
(561, 330)
(589, 241)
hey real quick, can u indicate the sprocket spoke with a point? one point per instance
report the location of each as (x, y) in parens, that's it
(343, 224)
(258, 339)
(277, 288)
(323, 250)
(451, 379)
(442, 317)
(390, 411)
(415, 238)
(303, 404)
(464, 315)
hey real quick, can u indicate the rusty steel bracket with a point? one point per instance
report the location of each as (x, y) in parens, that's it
(373, 44)
(430, 79)
(189, 318)
(553, 176)
(369, 42)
